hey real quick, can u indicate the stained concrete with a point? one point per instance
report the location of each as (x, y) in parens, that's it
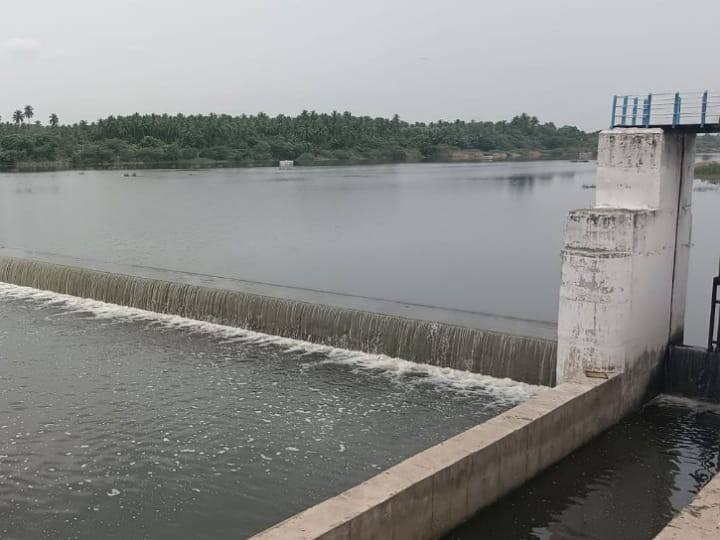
(624, 266)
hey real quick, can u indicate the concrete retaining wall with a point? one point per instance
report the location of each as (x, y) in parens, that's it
(432, 492)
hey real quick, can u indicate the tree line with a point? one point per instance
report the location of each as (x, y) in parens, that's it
(19, 116)
(708, 143)
(310, 137)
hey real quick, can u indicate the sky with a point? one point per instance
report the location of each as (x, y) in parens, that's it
(559, 60)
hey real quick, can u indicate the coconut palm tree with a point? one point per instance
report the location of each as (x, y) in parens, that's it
(18, 117)
(54, 121)
(29, 111)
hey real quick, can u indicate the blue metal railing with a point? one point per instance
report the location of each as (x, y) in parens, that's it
(675, 109)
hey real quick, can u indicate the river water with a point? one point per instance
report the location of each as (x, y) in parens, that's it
(475, 237)
(119, 423)
(627, 484)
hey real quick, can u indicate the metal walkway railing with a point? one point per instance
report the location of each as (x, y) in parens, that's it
(713, 335)
(689, 111)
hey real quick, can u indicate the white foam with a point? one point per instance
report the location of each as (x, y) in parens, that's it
(668, 400)
(394, 368)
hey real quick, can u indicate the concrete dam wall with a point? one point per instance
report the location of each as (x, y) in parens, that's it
(527, 359)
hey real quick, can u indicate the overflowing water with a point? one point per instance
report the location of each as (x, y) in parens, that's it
(477, 237)
(522, 358)
(121, 423)
(627, 484)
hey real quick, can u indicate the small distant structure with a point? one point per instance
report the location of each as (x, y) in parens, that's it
(583, 157)
(287, 164)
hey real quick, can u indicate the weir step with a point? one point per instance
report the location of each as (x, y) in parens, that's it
(693, 372)
(525, 359)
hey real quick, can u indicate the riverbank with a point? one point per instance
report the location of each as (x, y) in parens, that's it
(162, 141)
(708, 171)
(454, 156)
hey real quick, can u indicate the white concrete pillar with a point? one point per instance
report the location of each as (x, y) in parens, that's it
(625, 261)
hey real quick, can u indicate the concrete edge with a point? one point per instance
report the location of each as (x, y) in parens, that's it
(429, 494)
(698, 520)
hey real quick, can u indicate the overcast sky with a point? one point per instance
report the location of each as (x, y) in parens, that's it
(560, 60)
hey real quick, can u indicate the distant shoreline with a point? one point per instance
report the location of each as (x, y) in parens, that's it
(310, 138)
(201, 164)
(708, 171)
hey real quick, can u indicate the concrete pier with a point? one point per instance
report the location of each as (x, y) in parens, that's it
(625, 261)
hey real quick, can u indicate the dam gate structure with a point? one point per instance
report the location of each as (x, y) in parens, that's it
(625, 260)
(621, 315)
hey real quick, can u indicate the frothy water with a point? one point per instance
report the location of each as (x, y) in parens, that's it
(117, 422)
(492, 353)
(394, 368)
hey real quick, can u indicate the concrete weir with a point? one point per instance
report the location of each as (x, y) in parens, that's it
(497, 354)
(432, 492)
(622, 303)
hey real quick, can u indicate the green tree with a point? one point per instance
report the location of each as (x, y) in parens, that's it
(309, 137)
(29, 112)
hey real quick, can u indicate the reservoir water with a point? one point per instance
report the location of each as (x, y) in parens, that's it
(475, 237)
(119, 423)
(116, 422)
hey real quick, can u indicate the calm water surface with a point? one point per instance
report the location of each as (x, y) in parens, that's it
(116, 423)
(479, 237)
(625, 485)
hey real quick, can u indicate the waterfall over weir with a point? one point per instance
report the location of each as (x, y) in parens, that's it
(527, 359)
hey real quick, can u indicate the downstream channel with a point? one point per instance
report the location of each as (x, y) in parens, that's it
(627, 484)
(119, 423)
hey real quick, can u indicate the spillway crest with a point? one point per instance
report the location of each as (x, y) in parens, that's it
(526, 359)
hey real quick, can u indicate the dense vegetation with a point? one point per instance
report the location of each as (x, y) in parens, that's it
(708, 170)
(162, 140)
(707, 144)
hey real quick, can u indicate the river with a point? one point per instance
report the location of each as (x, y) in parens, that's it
(119, 423)
(482, 238)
